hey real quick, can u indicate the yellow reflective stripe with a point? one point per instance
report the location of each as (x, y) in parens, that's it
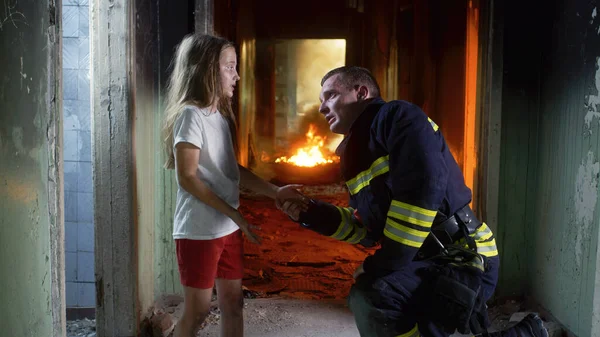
(488, 249)
(484, 247)
(489, 254)
(404, 235)
(379, 167)
(486, 244)
(406, 229)
(359, 234)
(433, 125)
(414, 332)
(411, 214)
(345, 226)
(482, 233)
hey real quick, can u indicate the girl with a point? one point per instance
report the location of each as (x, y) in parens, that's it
(200, 140)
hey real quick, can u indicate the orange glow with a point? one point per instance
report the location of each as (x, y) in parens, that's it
(470, 150)
(311, 154)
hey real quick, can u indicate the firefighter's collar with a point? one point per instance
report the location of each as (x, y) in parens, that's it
(371, 109)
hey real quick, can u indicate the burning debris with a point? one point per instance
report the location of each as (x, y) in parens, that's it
(312, 153)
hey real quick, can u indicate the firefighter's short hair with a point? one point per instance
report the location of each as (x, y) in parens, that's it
(352, 76)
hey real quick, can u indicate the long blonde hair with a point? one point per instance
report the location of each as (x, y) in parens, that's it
(195, 80)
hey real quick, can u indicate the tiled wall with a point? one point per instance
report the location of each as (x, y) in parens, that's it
(79, 226)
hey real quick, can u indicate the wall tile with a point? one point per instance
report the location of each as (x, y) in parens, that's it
(85, 146)
(71, 293)
(83, 84)
(85, 204)
(84, 21)
(85, 237)
(71, 237)
(84, 114)
(70, 267)
(70, 207)
(71, 118)
(71, 172)
(70, 21)
(87, 294)
(71, 145)
(84, 177)
(70, 84)
(84, 53)
(70, 53)
(85, 267)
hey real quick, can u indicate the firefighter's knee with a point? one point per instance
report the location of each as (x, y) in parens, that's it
(358, 302)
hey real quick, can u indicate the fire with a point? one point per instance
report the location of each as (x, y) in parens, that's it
(310, 154)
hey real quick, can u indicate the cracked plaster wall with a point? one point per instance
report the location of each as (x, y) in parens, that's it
(31, 236)
(550, 161)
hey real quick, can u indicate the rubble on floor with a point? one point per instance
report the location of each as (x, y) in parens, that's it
(167, 310)
(81, 328)
(505, 313)
(292, 261)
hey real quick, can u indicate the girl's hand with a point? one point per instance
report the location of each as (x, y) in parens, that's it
(290, 193)
(245, 227)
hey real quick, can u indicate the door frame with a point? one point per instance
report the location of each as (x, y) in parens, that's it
(489, 111)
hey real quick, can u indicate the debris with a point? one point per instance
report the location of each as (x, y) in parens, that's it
(306, 264)
(249, 293)
(81, 328)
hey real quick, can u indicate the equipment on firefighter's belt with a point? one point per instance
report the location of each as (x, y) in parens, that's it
(449, 231)
(457, 301)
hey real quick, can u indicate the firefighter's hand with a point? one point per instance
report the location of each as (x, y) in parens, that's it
(360, 270)
(292, 209)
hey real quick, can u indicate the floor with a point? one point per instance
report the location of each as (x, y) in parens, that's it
(296, 281)
(285, 317)
(277, 317)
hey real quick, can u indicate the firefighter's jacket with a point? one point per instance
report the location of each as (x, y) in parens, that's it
(401, 178)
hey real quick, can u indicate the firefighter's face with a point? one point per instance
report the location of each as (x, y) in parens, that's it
(340, 104)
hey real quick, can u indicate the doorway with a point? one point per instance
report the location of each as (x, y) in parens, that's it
(428, 56)
(78, 186)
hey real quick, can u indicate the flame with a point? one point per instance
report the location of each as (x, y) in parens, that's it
(310, 154)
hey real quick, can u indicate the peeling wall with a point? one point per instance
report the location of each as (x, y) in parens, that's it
(551, 159)
(175, 23)
(31, 236)
(563, 250)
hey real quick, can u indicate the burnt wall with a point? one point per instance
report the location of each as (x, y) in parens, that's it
(548, 219)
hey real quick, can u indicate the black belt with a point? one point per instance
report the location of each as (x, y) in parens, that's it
(449, 231)
(451, 225)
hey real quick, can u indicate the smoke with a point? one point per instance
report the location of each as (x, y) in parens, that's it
(312, 59)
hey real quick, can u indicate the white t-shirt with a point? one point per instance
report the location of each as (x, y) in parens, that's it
(217, 168)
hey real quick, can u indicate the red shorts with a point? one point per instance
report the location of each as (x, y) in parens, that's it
(201, 261)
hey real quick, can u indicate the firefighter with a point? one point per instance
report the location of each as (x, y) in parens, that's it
(436, 264)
